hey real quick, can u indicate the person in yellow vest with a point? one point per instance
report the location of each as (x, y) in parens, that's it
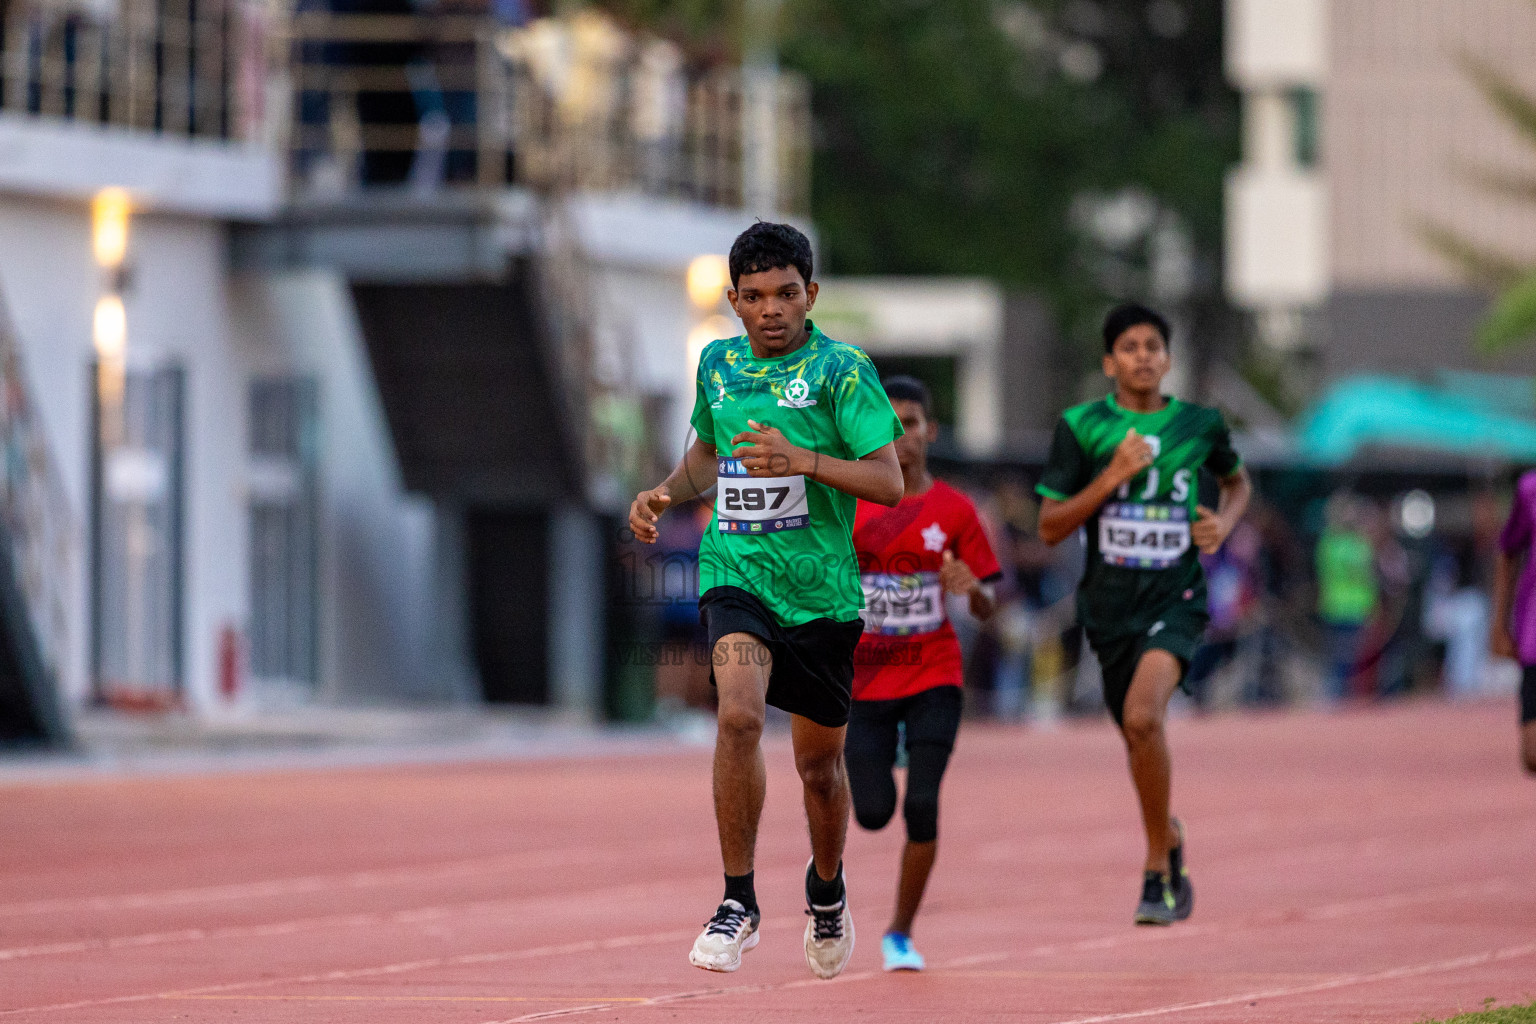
(1347, 590)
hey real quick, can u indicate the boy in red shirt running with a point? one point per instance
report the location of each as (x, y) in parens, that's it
(907, 669)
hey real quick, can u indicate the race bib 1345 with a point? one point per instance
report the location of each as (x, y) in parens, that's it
(1143, 536)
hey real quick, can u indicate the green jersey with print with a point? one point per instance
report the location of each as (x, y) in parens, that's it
(1141, 557)
(788, 540)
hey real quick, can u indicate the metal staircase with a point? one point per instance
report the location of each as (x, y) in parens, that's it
(37, 566)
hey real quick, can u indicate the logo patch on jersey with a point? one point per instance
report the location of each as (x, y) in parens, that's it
(796, 395)
(1155, 443)
(719, 402)
(934, 538)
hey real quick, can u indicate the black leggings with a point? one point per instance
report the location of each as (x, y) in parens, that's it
(932, 719)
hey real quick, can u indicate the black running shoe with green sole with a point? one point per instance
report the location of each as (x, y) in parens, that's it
(1157, 902)
(1183, 889)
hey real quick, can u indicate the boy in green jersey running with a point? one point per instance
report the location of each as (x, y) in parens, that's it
(1127, 468)
(793, 427)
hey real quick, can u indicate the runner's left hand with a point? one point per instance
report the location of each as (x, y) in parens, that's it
(956, 576)
(765, 451)
(1208, 531)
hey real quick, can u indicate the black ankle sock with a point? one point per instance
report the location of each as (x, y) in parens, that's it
(820, 893)
(739, 888)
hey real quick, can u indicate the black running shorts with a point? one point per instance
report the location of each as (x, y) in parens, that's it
(1528, 695)
(1177, 631)
(812, 674)
(931, 718)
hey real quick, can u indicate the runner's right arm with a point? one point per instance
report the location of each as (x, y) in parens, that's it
(694, 475)
(1506, 570)
(1059, 518)
(1514, 549)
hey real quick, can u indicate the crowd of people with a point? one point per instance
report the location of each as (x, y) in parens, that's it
(1328, 597)
(1321, 597)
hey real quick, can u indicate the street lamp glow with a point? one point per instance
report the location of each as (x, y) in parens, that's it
(708, 277)
(110, 329)
(109, 227)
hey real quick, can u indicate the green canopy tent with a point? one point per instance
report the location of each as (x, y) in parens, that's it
(1392, 413)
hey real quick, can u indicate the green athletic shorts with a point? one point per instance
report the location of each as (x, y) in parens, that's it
(1178, 631)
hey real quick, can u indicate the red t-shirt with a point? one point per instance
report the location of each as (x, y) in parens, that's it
(908, 645)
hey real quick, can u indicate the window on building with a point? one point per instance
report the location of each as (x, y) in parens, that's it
(1304, 119)
(281, 476)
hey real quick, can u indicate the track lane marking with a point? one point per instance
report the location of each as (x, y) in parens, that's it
(413, 915)
(303, 885)
(701, 993)
(564, 857)
(1324, 912)
(370, 878)
(403, 999)
(464, 959)
(1346, 981)
(1082, 945)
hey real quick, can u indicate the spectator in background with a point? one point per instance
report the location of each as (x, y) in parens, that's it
(1514, 607)
(1232, 576)
(1348, 591)
(1457, 608)
(1388, 647)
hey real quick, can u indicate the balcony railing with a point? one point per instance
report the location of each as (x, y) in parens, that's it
(428, 101)
(196, 68)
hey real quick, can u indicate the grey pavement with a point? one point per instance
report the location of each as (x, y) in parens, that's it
(114, 743)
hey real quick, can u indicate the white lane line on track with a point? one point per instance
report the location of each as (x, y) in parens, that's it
(498, 956)
(700, 993)
(1393, 974)
(1324, 912)
(561, 857)
(413, 915)
(302, 885)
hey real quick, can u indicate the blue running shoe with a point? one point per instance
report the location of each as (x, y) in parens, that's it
(899, 954)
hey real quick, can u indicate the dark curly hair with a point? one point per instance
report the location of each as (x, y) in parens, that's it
(903, 388)
(1127, 315)
(765, 246)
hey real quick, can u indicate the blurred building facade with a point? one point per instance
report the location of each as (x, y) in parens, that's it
(334, 338)
(1364, 132)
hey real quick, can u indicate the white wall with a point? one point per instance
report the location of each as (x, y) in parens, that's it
(176, 310)
(384, 635)
(49, 283)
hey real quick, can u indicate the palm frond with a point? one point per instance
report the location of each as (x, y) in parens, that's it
(1512, 320)
(1517, 106)
(1508, 184)
(1484, 267)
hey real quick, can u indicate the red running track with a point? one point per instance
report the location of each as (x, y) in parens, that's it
(1375, 865)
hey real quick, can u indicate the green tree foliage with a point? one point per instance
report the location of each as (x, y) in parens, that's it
(953, 136)
(1512, 320)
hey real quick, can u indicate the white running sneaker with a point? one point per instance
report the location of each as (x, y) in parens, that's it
(829, 938)
(727, 935)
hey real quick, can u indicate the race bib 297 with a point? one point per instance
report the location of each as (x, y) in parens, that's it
(766, 504)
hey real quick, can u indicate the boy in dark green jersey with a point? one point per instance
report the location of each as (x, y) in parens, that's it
(1127, 468)
(792, 428)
